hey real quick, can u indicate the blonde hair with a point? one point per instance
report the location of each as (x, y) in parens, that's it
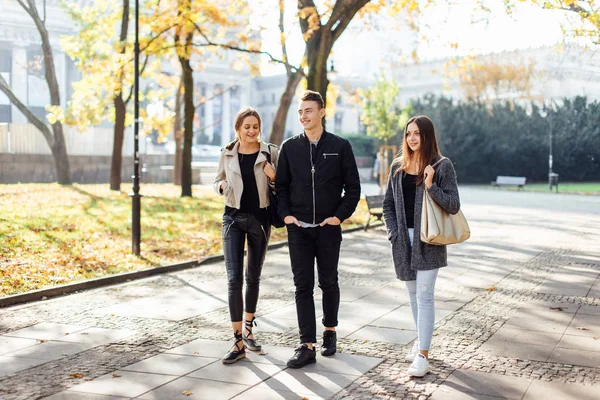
(241, 116)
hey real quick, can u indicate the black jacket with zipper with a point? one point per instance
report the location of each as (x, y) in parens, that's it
(314, 190)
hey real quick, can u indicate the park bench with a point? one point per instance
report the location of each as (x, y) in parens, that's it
(375, 204)
(518, 181)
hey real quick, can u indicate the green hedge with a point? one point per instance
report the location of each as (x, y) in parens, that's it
(362, 145)
(510, 139)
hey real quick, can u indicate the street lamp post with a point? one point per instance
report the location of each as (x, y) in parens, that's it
(135, 194)
(550, 173)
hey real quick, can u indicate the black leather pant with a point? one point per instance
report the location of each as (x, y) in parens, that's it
(235, 231)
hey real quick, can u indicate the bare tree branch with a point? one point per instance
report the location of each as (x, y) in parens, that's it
(210, 43)
(344, 22)
(282, 36)
(38, 123)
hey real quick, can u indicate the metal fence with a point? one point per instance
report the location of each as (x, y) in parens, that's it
(27, 139)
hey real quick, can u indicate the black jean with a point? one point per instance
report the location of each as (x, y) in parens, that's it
(306, 245)
(235, 231)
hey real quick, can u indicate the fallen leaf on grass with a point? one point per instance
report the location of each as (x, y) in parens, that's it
(76, 375)
(491, 288)
(116, 375)
(187, 392)
(581, 328)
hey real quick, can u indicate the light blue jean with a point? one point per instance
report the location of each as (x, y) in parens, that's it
(421, 294)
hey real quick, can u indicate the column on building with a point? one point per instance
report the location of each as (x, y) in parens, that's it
(226, 135)
(60, 65)
(244, 93)
(208, 112)
(18, 81)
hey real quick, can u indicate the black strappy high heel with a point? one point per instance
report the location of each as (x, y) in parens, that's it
(251, 344)
(234, 355)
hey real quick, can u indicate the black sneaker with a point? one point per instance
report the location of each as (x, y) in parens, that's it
(303, 356)
(329, 343)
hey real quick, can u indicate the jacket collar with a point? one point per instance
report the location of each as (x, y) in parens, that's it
(264, 148)
(323, 136)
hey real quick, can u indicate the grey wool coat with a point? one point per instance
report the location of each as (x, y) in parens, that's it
(421, 256)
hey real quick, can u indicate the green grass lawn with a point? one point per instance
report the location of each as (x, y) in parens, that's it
(583, 188)
(51, 235)
(571, 188)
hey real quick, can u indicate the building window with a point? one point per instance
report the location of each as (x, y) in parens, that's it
(38, 94)
(35, 61)
(5, 60)
(39, 112)
(217, 114)
(338, 118)
(5, 114)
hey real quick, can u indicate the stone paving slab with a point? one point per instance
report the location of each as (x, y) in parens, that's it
(125, 384)
(555, 390)
(173, 375)
(479, 383)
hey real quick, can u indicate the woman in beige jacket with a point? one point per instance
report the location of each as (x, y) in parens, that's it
(246, 171)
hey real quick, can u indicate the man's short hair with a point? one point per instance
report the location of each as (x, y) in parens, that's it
(311, 95)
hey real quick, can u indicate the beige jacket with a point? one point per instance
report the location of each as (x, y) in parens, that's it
(229, 171)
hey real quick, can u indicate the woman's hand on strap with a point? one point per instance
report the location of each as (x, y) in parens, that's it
(269, 170)
(429, 172)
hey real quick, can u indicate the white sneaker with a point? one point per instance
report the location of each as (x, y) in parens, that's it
(410, 356)
(419, 366)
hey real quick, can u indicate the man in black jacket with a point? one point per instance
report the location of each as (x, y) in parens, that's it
(317, 187)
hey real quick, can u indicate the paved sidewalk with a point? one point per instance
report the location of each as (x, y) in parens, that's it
(518, 317)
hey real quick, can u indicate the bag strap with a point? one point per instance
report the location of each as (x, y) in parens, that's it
(269, 153)
(439, 161)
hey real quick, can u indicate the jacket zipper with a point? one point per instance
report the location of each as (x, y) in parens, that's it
(312, 171)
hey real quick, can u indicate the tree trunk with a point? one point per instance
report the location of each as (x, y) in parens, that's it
(278, 129)
(116, 165)
(318, 50)
(178, 135)
(61, 159)
(188, 128)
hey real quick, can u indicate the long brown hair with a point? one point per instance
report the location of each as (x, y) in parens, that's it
(429, 149)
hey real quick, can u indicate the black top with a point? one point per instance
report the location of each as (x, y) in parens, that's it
(332, 189)
(409, 190)
(250, 203)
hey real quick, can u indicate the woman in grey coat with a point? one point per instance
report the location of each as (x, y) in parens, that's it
(419, 167)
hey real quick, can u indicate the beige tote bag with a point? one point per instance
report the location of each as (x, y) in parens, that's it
(440, 228)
